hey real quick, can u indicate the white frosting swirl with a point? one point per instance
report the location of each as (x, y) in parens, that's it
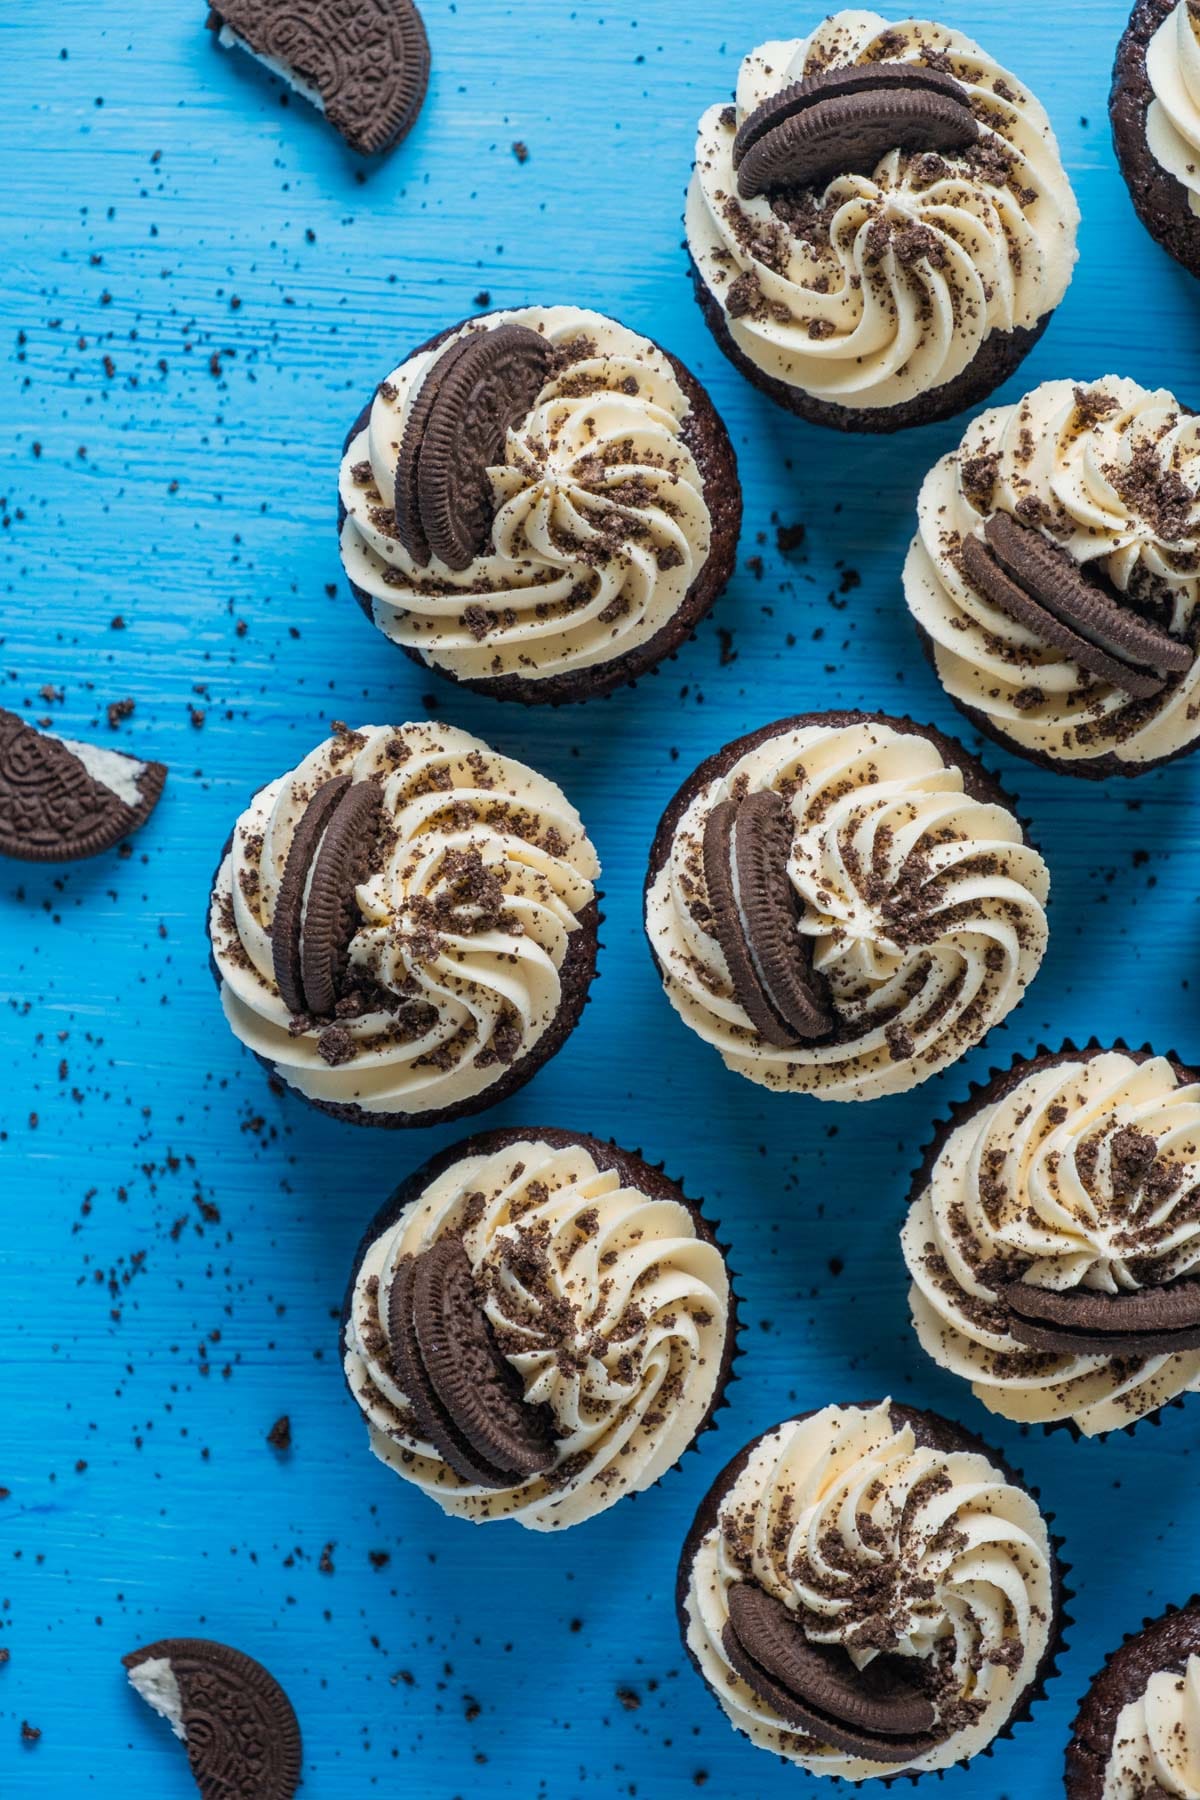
(878, 1543)
(482, 871)
(885, 286)
(601, 525)
(1085, 1175)
(611, 1307)
(1156, 1743)
(1112, 472)
(1173, 116)
(924, 909)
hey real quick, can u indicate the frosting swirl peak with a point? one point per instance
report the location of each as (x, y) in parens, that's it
(1173, 116)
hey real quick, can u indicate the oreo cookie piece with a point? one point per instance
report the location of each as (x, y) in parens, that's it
(755, 918)
(365, 65)
(330, 912)
(471, 1376)
(62, 800)
(844, 120)
(817, 1689)
(241, 1733)
(476, 390)
(441, 1342)
(1085, 1322)
(1037, 583)
(288, 918)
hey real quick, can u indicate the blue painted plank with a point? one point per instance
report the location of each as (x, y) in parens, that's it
(174, 1238)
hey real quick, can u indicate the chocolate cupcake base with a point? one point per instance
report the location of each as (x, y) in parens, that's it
(705, 436)
(576, 976)
(937, 1433)
(1161, 201)
(998, 357)
(1163, 1644)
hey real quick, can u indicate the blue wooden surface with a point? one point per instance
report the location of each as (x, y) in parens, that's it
(173, 1238)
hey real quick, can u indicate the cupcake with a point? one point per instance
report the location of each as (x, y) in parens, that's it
(881, 226)
(539, 503)
(870, 1591)
(537, 1324)
(404, 926)
(1155, 111)
(1137, 1736)
(844, 903)
(1053, 1239)
(1055, 576)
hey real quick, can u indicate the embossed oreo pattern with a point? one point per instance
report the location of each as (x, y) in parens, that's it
(52, 809)
(242, 1735)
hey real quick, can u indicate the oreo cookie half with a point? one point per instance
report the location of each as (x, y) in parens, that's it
(466, 1395)
(241, 1733)
(842, 121)
(478, 388)
(755, 917)
(366, 66)
(330, 913)
(1037, 583)
(817, 1689)
(61, 800)
(1084, 1322)
(288, 917)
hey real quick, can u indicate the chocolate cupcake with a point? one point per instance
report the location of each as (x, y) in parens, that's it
(404, 926)
(540, 504)
(881, 226)
(1155, 111)
(537, 1324)
(843, 904)
(1137, 1734)
(1053, 1239)
(1055, 576)
(869, 1591)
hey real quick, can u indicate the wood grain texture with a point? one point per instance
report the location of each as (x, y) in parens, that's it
(174, 1237)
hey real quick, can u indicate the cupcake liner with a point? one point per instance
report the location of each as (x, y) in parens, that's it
(998, 357)
(649, 1178)
(1170, 1636)
(577, 975)
(1159, 199)
(707, 438)
(932, 1429)
(994, 1086)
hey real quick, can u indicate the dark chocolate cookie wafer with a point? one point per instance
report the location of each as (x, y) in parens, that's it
(482, 386)
(407, 500)
(871, 1712)
(330, 914)
(473, 1379)
(366, 60)
(755, 918)
(55, 806)
(1085, 1322)
(1079, 603)
(289, 904)
(242, 1736)
(844, 121)
(433, 1420)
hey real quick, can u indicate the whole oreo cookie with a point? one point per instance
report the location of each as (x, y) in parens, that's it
(466, 1395)
(755, 918)
(331, 913)
(1083, 604)
(365, 63)
(872, 1712)
(479, 386)
(1086, 1322)
(843, 121)
(241, 1733)
(61, 800)
(288, 918)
